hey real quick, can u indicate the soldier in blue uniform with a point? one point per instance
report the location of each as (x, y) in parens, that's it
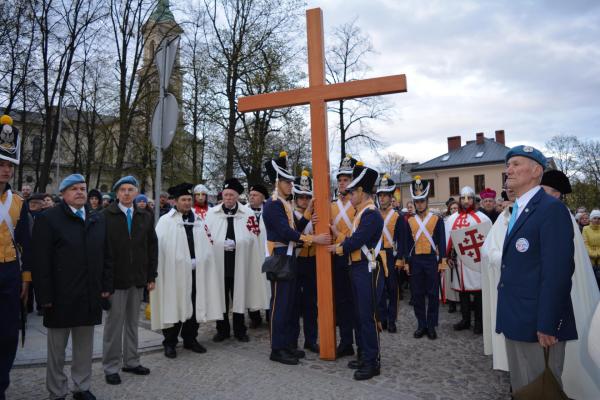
(342, 215)
(283, 233)
(424, 259)
(360, 250)
(391, 247)
(15, 255)
(306, 282)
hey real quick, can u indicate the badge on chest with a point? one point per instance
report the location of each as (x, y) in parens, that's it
(522, 245)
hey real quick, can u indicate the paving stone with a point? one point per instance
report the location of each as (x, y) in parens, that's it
(452, 367)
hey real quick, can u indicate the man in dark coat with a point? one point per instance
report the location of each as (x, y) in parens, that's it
(134, 250)
(72, 274)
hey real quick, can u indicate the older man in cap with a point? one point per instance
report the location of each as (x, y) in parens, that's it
(72, 274)
(535, 311)
(238, 255)
(14, 247)
(133, 245)
(488, 204)
(187, 286)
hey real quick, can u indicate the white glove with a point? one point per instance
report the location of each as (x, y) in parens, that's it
(229, 245)
(193, 264)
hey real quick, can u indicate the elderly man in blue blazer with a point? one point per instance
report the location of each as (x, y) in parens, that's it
(534, 302)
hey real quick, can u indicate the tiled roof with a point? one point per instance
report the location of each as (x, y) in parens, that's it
(489, 152)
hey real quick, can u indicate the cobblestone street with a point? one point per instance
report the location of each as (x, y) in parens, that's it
(452, 367)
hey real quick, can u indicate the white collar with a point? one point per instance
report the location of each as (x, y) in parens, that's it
(124, 209)
(526, 197)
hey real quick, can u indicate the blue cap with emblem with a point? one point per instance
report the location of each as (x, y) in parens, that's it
(529, 152)
(126, 179)
(70, 181)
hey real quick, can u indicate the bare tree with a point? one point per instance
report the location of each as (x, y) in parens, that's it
(564, 150)
(128, 20)
(240, 30)
(197, 93)
(17, 45)
(61, 28)
(346, 61)
(392, 163)
(588, 155)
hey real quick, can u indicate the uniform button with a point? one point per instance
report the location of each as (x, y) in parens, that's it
(503, 266)
(502, 285)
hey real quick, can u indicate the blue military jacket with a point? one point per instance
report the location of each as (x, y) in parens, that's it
(534, 292)
(278, 226)
(368, 232)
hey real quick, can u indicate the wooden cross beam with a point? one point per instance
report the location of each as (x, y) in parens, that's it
(317, 95)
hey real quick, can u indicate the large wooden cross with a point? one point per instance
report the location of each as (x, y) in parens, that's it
(317, 95)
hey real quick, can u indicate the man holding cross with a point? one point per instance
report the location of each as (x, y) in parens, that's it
(342, 214)
(359, 249)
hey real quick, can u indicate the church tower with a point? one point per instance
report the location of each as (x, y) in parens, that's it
(160, 27)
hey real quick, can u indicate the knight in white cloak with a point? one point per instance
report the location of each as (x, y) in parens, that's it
(467, 279)
(238, 255)
(257, 195)
(187, 290)
(580, 376)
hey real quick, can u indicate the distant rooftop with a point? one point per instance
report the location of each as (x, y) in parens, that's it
(475, 152)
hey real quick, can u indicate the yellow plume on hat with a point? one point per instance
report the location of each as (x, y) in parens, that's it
(360, 164)
(6, 120)
(386, 175)
(282, 154)
(418, 178)
(305, 173)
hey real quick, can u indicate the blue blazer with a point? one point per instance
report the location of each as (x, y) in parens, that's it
(534, 292)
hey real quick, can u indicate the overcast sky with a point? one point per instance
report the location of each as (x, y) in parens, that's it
(531, 68)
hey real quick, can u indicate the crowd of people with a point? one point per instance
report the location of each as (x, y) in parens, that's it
(516, 267)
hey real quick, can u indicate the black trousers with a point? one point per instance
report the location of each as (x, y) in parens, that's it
(223, 326)
(476, 306)
(10, 311)
(187, 329)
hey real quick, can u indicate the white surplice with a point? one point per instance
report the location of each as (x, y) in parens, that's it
(171, 300)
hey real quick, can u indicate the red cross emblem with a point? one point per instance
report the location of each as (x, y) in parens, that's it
(253, 225)
(472, 247)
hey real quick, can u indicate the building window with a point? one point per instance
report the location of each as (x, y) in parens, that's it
(479, 183)
(454, 186)
(431, 187)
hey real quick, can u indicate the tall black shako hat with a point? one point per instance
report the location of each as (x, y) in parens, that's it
(363, 177)
(386, 185)
(303, 184)
(419, 190)
(183, 189)
(346, 166)
(233, 184)
(557, 180)
(277, 169)
(10, 141)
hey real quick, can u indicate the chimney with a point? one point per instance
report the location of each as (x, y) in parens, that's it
(500, 137)
(479, 137)
(453, 143)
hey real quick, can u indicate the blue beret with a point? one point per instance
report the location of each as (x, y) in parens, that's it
(529, 152)
(126, 179)
(140, 197)
(70, 181)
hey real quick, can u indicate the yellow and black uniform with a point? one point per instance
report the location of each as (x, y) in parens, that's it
(342, 214)
(14, 268)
